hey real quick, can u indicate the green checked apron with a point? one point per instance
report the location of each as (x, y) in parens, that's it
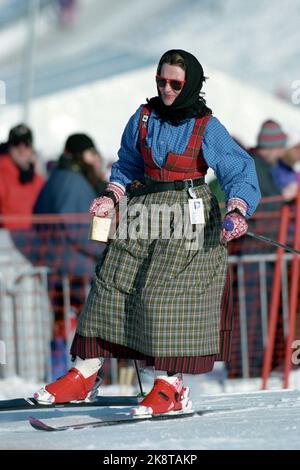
(159, 295)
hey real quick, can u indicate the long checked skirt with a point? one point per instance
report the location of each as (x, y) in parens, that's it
(161, 294)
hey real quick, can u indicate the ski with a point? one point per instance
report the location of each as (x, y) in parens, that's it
(19, 404)
(112, 421)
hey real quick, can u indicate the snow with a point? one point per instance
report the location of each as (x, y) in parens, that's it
(235, 419)
(256, 42)
(89, 109)
(106, 65)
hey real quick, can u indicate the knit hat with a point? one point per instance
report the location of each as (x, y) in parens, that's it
(77, 143)
(20, 134)
(271, 135)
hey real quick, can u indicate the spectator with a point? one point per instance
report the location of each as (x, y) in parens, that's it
(3, 149)
(292, 159)
(67, 11)
(23, 317)
(74, 181)
(274, 164)
(64, 246)
(19, 182)
(71, 187)
(50, 166)
(275, 176)
(292, 155)
(286, 180)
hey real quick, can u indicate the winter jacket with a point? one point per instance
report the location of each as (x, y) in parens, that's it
(65, 246)
(16, 198)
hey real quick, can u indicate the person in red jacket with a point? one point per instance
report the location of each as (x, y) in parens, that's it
(20, 185)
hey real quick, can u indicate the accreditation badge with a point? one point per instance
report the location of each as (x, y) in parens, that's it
(196, 211)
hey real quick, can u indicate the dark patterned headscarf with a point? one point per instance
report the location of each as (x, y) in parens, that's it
(189, 103)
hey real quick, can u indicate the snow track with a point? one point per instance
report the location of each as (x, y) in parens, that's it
(257, 420)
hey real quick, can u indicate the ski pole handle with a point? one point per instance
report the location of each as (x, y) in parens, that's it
(228, 225)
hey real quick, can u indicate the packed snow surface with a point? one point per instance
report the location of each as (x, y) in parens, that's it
(244, 420)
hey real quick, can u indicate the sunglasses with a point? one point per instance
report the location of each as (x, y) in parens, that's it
(176, 85)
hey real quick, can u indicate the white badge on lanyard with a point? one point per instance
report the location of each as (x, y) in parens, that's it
(196, 211)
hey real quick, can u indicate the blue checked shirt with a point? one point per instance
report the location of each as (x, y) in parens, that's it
(233, 167)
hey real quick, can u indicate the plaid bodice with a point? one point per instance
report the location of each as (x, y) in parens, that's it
(189, 165)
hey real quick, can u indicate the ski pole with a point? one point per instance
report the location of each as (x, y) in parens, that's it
(228, 225)
(273, 242)
(139, 378)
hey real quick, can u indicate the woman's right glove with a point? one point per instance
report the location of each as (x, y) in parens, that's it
(102, 206)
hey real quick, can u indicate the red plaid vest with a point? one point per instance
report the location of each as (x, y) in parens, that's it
(189, 165)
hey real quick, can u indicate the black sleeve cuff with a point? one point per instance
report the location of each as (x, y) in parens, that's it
(237, 211)
(111, 195)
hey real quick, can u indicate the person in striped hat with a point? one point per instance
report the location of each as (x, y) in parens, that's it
(271, 136)
(275, 175)
(159, 298)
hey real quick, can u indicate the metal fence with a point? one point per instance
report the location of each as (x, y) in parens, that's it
(25, 314)
(252, 305)
(46, 271)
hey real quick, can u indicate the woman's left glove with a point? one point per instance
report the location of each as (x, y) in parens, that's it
(103, 205)
(234, 223)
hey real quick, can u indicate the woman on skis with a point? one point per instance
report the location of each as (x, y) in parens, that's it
(163, 300)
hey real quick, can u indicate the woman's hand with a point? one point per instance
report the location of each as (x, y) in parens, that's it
(234, 224)
(104, 205)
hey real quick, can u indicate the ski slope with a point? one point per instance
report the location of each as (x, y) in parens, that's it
(91, 79)
(102, 109)
(256, 420)
(256, 42)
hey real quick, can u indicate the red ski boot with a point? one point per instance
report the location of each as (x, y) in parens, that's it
(76, 385)
(168, 395)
